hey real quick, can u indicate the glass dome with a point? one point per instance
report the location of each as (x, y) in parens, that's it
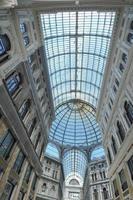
(75, 125)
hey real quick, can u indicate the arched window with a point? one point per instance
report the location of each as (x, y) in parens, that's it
(128, 112)
(130, 38)
(95, 194)
(26, 40)
(131, 25)
(114, 146)
(105, 194)
(120, 131)
(53, 188)
(5, 46)
(44, 187)
(109, 156)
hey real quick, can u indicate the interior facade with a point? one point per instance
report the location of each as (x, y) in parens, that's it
(66, 100)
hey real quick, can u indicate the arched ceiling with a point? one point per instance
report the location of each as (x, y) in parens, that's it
(76, 45)
(75, 125)
(74, 163)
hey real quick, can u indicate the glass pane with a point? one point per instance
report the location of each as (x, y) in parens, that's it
(85, 48)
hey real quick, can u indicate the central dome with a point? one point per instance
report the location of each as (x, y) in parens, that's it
(75, 125)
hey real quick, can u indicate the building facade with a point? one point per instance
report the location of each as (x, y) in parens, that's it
(73, 188)
(115, 110)
(26, 110)
(52, 180)
(99, 187)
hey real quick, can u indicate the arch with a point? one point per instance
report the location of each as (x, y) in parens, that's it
(74, 182)
(105, 193)
(52, 151)
(44, 187)
(71, 165)
(95, 194)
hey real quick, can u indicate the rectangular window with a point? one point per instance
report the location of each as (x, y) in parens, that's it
(6, 143)
(115, 188)
(32, 125)
(19, 162)
(109, 106)
(28, 173)
(38, 139)
(114, 89)
(117, 82)
(111, 100)
(7, 191)
(130, 166)
(34, 182)
(24, 108)
(123, 180)
(13, 83)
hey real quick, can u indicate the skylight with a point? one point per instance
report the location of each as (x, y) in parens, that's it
(77, 45)
(74, 162)
(75, 125)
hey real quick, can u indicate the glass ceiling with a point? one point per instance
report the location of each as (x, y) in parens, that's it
(75, 125)
(77, 44)
(74, 161)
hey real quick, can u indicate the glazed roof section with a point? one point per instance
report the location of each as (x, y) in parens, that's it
(77, 44)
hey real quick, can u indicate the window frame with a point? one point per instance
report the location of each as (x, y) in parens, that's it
(18, 164)
(7, 150)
